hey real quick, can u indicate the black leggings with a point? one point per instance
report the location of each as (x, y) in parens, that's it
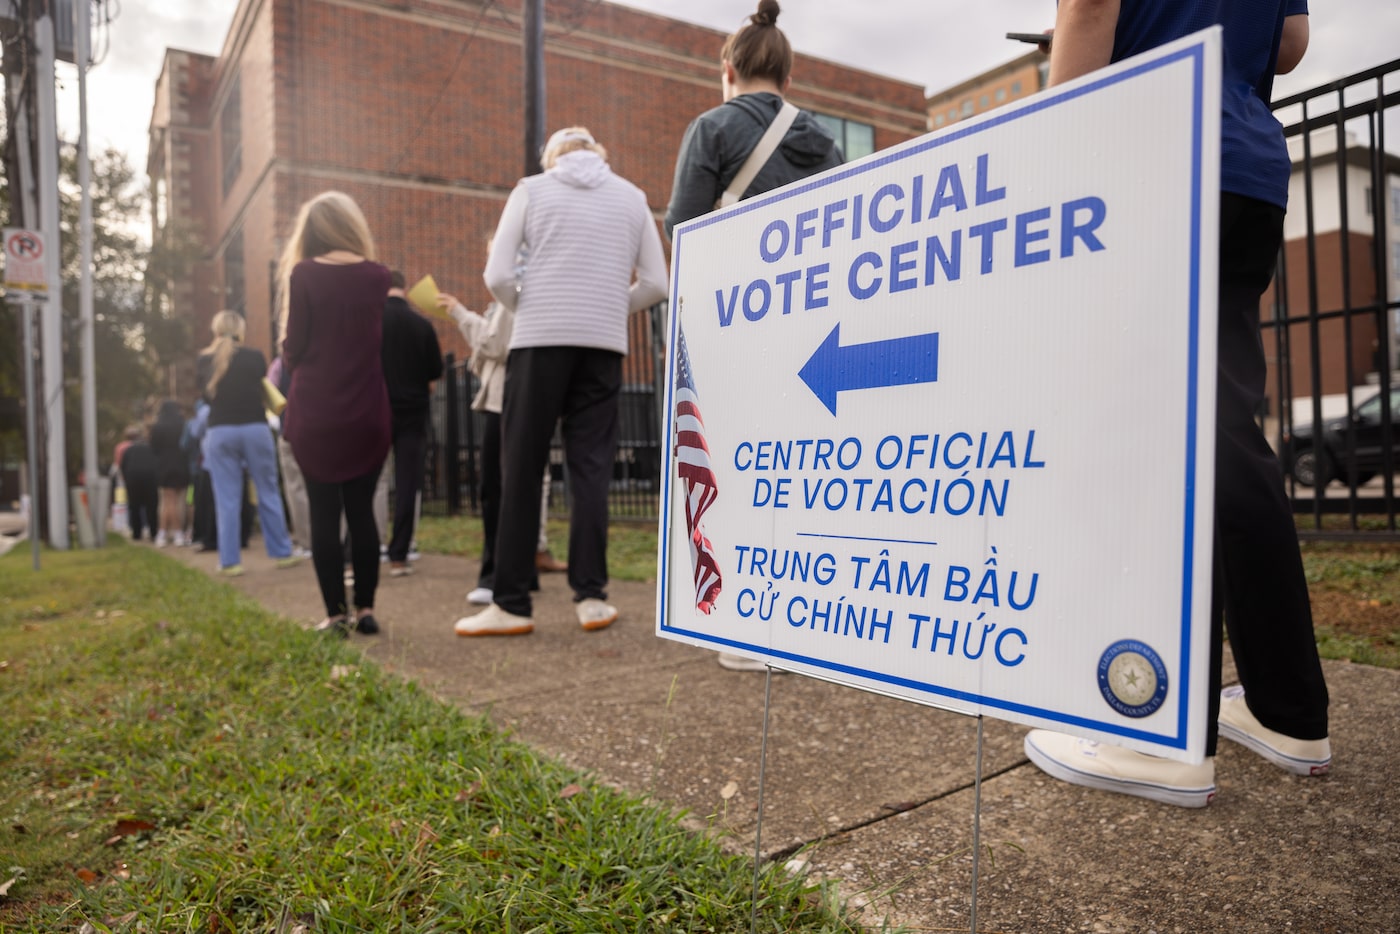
(356, 499)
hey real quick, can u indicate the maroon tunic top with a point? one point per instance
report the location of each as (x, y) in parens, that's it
(337, 416)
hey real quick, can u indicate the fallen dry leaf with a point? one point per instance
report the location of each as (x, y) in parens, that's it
(341, 671)
(469, 792)
(426, 835)
(87, 876)
(568, 791)
(130, 826)
(5, 887)
(729, 790)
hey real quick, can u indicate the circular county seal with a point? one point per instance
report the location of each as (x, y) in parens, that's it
(1132, 678)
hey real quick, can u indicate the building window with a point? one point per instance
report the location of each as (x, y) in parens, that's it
(982, 102)
(1001, 95)
(1015, 88)
(938, 120)
(967, 107)
(953, 114)
(856, 139)
(235, 291)
(231, 135)
(1044, 69)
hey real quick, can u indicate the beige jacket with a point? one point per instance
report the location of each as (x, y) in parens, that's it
(489, 335)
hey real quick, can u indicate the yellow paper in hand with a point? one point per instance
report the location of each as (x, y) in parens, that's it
(424, 296)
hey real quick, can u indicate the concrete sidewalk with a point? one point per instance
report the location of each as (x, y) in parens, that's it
(881, 790)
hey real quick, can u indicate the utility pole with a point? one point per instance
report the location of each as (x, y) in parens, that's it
(97, 489)
(533, 25)
(51, 329)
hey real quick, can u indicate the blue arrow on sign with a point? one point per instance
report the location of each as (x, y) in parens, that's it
(901, 361)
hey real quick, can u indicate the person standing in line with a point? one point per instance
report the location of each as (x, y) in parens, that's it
(489, 337)
(586, 231)
(293, 484)
(1279, 709)
(756, 74)
(412, 360)
(337, 418)
(173, 472)
(140, 470)
(238, 440)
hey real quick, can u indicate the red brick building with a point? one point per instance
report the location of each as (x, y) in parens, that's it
(415, 109)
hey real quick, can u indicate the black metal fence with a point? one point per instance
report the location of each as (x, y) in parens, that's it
(452, 484)
(1332, 334)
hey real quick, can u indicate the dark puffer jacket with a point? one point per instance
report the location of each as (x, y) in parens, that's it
(718, 141)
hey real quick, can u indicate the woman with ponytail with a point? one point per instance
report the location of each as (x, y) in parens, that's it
(756, 71)
(337, 419)
(238, 440)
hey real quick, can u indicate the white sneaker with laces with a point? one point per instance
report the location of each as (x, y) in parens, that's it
(595, 614)
(1299, 756)
(494, 621)
(481, 596)
(1125, 771)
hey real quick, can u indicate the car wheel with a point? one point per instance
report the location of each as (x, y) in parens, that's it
(1311, 469)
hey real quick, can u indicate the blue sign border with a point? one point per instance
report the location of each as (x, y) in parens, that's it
(1195, 54)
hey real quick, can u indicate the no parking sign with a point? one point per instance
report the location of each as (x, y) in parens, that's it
(941, 421)
(24, 262)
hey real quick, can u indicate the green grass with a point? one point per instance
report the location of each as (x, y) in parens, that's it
(631, 545)
(175, 758)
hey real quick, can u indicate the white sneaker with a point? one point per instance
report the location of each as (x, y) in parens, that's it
(744, 663)
(481, 596)
(494, 621)
(1126, 771)
(1299, 756)
(160, 539)
(595, 614)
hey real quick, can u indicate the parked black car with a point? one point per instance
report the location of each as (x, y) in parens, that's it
(1317, 465)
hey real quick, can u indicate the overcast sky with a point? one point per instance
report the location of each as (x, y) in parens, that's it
(936, 43)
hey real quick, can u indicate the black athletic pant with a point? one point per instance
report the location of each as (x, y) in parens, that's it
(490, 496)
(1260, 588)
(409, 442)
(544, 384)
(142, 505)
(356, 499)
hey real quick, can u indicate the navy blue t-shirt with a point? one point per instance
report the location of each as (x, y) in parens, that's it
(1253, 156)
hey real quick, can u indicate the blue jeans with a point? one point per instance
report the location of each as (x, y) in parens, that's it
(229, 450)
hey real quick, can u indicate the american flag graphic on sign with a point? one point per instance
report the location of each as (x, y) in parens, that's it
(693, 468)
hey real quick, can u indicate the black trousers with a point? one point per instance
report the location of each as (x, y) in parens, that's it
(142, 505)
(1260, 589)
(579, 385)
(410, 441)
(354, 498)
(206, 521)
(490, 496)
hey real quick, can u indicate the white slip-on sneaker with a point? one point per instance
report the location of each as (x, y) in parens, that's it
(494, 621)
(481, 596)
(595, 614)
(1299, 756)
(1125, 771)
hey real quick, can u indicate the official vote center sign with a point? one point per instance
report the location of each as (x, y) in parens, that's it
(941, 420)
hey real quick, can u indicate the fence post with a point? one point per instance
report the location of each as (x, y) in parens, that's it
(452, 441)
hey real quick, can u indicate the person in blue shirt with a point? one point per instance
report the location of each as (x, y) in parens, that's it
(1279, 709)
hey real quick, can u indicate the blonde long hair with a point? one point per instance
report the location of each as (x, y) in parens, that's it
(229, 328)
(330, 221)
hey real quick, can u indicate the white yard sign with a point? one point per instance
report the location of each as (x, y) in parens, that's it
(941, 421)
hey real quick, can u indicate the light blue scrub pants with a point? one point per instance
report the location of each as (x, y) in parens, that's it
(228, 451)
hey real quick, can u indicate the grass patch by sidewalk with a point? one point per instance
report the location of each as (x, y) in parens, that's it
(177, 758)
